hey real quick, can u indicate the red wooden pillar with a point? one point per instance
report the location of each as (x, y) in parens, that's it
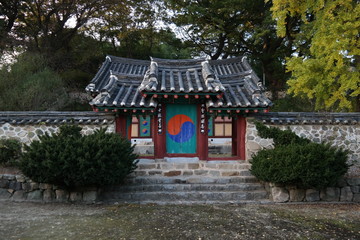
(202, 133)
(120, 126)
(238, 137)
(159, 132)
(123, 125)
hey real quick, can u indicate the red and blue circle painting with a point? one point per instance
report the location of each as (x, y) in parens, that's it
(180, 128)
(145, 123)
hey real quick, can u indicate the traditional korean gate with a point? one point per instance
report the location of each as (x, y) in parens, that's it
(181, 122)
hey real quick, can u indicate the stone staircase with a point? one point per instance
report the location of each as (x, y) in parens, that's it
(188, 181)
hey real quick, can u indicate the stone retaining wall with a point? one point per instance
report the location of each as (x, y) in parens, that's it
(340, 130)
(26, 127)
(347, 190)
(17, 187)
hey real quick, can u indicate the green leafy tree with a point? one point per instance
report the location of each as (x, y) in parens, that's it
(74, 36)
(328, 71)
(224, 28)
(139, 33)
(9, 12)
(30, 85)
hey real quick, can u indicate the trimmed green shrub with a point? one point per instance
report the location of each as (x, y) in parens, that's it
(280, 137)
(10, 151)
(299, 162)
(71, 160)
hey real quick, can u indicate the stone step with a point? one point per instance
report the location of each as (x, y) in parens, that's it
(186, 181)
(195, 202)
(187, 187)
(190, 180)
(198, 172)
(162, 196)
(205, 165)
(169, 168)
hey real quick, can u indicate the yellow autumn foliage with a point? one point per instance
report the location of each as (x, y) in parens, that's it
(329, 73)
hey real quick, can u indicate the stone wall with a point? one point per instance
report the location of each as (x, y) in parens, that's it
(341, 130)
(17, 187)
(27, 126)
(347, 190)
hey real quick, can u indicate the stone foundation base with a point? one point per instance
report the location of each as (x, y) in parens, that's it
(20, 188)
(347, 190)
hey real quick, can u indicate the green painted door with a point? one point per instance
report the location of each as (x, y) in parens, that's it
(181, 128)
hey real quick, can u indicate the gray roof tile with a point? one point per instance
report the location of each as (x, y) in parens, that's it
(55, 118)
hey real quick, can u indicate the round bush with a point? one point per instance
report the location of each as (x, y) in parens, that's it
(309, 165)
(72, 160)
(10, 151)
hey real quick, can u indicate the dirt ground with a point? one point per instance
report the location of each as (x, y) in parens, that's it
(248, 221)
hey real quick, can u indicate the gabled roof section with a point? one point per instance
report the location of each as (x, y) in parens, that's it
(123, 92)
(243, 88)
(116, 66)
(231, 66)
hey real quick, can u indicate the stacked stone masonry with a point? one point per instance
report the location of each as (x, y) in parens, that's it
(347, 190)
(195, 168)
(27, 126)
(188, 181)
(17, 187)
(343, 131)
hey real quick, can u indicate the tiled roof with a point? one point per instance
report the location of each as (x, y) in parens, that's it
(180, 76)
(303, 118)
(124, 67)
(124, 93)
(55, 118)
(127, 83)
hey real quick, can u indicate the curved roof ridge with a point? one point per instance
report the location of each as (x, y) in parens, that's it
(238, 59)
(181, 62)
(127, 60)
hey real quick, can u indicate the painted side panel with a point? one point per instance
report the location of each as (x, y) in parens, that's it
(181, 122)
(210, 127)
(144, 126)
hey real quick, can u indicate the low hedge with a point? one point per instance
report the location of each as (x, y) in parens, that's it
(297, 161)
(71, 160)
(10, 152)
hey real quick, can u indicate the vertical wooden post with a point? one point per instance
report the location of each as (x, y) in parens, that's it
(238, 137)
(128, 126)
(120, 125)
(234, 133)
(123, 125)
(202, 133)
(159, 132)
